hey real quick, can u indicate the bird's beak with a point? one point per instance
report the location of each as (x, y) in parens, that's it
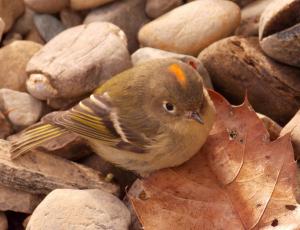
(196, 116)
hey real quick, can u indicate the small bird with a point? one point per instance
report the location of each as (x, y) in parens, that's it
(152, 116)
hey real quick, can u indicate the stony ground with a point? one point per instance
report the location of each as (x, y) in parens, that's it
(53, 53)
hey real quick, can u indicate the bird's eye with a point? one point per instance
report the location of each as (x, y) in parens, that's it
(169, 107)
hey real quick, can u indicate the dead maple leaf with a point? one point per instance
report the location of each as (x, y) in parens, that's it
(238, 180)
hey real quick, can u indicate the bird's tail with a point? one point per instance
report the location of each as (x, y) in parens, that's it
(34, 137)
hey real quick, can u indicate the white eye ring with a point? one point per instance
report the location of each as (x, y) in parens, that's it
(169, 107)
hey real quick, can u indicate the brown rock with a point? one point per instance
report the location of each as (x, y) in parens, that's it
(47, 6)
(237, 64)
(22, 109)
(273, 128)
(87, 4)
(70, 18)
(13, 60)
(279, 31)
(3, 221)
(5, 127)
(129, 15)
(2, 25)
(250, 18)
(17, 200)
(80, 209)
(146, 54)
(10, 10)
(293, 127)
(11, 37)
(191, 27)
(156, 8)
(81, 58)
(34, 36)
(40, 173)
(24, 23)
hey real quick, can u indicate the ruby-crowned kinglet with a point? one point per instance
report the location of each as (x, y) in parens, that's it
(153, 116)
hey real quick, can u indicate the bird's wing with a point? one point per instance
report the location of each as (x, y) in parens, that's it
(94, 117)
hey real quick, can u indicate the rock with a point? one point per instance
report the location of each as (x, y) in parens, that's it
(10, 10)
(17, 200)
(11, 37)
(35, 36)
(190, 28)
(146, 54)
(2, 26)
(129, 15)
(273, 128)
(81, 58)
(47, 6)
(24, 24)
(3, 221)
(237, 64)
(250, 18)
(48, 26)
(156, 8)
(70, 18)
(22, 109)
(87, 4)
(80, 209)
(40, 173)
(5, 127)
(13, 60)
(293, 127)
(279, 31)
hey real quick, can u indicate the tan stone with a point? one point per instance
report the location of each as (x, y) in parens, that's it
(10, 10)
(191, 27)
(87, 4)
(40, 173)
(237, 65)
(13, 60)
(293, 127)
(22, 108)
(3, 221)
(129, 15)
(156, 8)
(80, 209)
(279, 31)
(47, 6)
(17, 200)
(80, 58)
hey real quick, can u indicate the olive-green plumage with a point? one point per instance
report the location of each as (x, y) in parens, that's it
(149, 117)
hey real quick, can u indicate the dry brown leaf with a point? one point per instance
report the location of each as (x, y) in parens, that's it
(239, 180)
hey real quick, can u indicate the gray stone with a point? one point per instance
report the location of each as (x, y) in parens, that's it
(48, 26)
(129, 15)
(80, 209)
